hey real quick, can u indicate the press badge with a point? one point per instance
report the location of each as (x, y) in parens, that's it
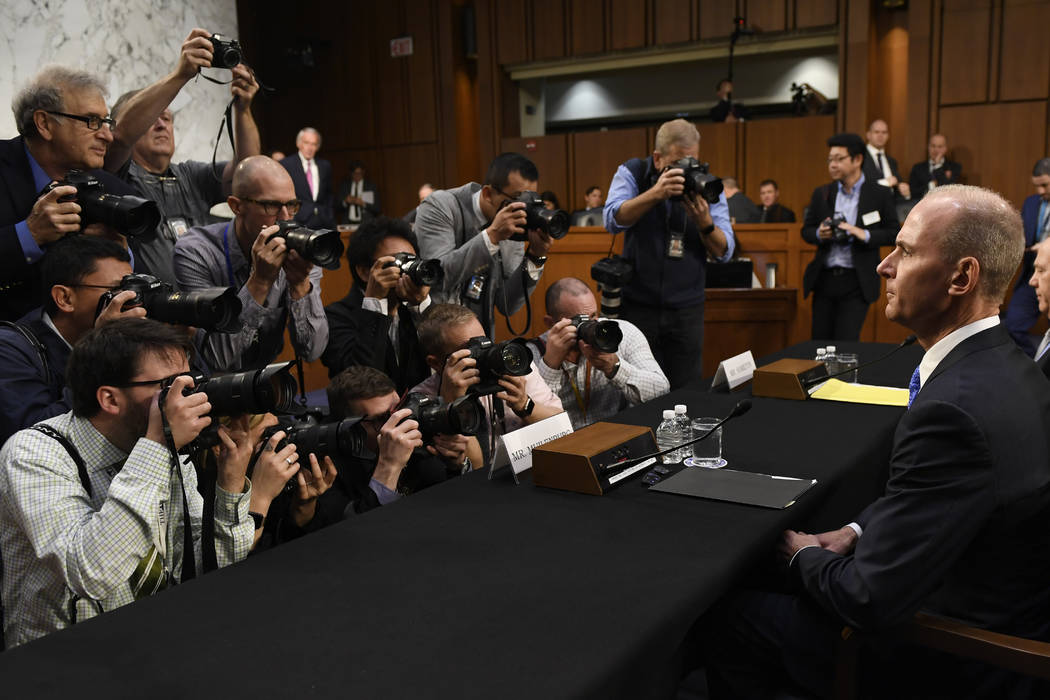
(475, 287)
(176, 227)
(872, 217)
(676, 245)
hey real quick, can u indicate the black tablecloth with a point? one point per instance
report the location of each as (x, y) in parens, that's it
(484, 589)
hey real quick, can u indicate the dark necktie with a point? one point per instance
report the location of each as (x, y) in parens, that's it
(913, 386)
(882, 165)
(765, 213)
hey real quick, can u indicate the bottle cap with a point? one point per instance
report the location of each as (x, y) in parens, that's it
(668, 414)
(679, 408)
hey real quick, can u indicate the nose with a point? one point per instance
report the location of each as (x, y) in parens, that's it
(885, 268)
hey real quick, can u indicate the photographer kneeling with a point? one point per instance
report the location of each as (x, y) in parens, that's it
(94, 512)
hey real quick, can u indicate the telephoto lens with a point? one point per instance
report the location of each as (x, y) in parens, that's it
(344, 438)
(510, 357)
(267, 390)
(698, 180)
(423, 273)
(602, 334)
(132, 216)
(464, 416)
(214, 309)
(553, 222)
(323, 247)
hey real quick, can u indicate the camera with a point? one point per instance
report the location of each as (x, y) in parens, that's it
(611, 274)
(215, 309)
(226, 53)
(423, 273)
(322, 247)
(464, 416)
(132, 216)
(698, 179)
(837, 234)
(602, 334)
(553, 222)
(495, 360)
(343, 438)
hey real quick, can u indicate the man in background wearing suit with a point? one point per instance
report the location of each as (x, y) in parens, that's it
(772, 211)
(1023, 309)
(1040, 282)
(960, 531)
(842, 274)
(879, 166)
(935, 171)
(358, 197)
(313, 180)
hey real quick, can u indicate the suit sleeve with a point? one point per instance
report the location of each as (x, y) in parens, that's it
(436, 231)
(355, 337)
(25, 397)
(885, 232)
(937, 498)
(814, 215)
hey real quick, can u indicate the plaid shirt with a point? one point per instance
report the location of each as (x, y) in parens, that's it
(638, 379)
(55, 538)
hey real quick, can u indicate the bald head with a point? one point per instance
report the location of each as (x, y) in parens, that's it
(565, 293)
(259, 174)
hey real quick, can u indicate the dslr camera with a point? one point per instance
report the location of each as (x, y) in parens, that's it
(226, 53)
(495, 360)
(214, 309)
(698, 179)
(423, 273)
(837, 234)
(602, 334)
(464, 416)
(611, 274)
(343, 438)
(323, 247)
(554, 223)
(132, 216)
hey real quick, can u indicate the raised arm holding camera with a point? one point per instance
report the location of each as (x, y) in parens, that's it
(264, 260)
(673, 215)
(95, 510)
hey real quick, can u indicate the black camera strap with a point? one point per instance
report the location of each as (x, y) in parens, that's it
(525, 293)
(189, 562)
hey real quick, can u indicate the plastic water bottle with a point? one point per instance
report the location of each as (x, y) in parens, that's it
(832, 359)
(685, 426)
(668, 435)
(822, 355)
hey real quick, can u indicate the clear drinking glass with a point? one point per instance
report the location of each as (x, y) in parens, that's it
(707, 452)
(848, 360)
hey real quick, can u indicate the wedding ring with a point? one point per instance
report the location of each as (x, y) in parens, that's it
(289, 460)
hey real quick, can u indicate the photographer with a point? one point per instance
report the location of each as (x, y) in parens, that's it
(375, 324)
(842, 274)
(445, 334)
(593, 384)
(94, 512)
(62, 124)
(478, 233)
(144, 142)
(669, 235)
(276, 285)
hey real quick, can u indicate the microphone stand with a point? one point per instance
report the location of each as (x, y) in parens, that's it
(903, 344)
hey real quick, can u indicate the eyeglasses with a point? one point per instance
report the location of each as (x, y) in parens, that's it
(93, 122)
(272, 208)
(108, 287)
(164, 381)
(836, 159)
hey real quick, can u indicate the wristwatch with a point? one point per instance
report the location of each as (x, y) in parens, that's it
(707, 231)
(536, 260)
(259, 518)
(527, 411)
(615, 369)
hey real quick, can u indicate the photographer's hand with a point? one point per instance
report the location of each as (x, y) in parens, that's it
(698, 210)
(312, 484)
(539, 243)
(408, 291)
(272, 471)
(824, 233)
(397, 439)
(115, 309)
(196, 53)
(297, 273)
(561, 341)
(268, 254)
(243, 87)
(855, 231)
(460, 374)
(671, 183)
(233, 453)
(187, 415)
(514, 395)
(382, 279)
(451, 448)
(508, 221)
(51, 219)
(604, 362)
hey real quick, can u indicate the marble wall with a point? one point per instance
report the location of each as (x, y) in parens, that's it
(130, 43)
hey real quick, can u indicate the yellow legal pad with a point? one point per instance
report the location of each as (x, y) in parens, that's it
(837, 390)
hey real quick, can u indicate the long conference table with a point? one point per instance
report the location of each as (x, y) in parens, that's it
(485, 589)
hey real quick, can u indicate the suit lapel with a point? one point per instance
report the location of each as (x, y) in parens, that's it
(984, 340)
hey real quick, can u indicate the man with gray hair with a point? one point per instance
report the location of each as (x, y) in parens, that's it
(960, 531)
(1023, 309)
(741, 209)
(313, 180)
(63, 125)
(668, 235)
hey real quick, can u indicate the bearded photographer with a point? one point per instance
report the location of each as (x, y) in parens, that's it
(479, 234)
(62, 121)
(93, 512)
(593, 382)
(449, 334)
(375, 323)
(669, 234)
(144, 142)
(276, 286)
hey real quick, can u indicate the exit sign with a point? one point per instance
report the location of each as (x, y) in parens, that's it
(401, 46)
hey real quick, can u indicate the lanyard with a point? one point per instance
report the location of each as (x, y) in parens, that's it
(226, 249)
(583, 402)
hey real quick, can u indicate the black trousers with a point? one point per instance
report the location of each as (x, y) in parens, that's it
(676, 337)
(839, 307)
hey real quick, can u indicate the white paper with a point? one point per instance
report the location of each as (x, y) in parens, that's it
(368, 197)
(735, 370)
(515, 448)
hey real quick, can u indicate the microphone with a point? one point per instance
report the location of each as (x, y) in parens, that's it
(817, 380)
(740, 409)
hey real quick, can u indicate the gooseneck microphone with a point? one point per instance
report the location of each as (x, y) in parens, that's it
(817, 380)
(740, 409)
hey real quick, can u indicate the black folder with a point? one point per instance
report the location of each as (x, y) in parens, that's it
(736, 487)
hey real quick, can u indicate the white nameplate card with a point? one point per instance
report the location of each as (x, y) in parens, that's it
(872, 217)
(515, 448)
(735, 370)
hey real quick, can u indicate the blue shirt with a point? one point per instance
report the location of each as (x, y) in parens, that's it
(32, 251)
(846, 203)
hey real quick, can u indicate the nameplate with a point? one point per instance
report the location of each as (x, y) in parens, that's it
(515, 448)
(735, 370)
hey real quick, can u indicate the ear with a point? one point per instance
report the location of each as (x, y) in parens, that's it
(965, 277)
(549, 320)
(364, 272)
(435, 363)
(43, 125)
(235, 204)
(63, 297)
(109, 399)
(658, 160)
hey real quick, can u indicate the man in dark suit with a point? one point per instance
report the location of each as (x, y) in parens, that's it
(935, 171)
(1040, 284)
(842, 274)
(312, 177)
(358, 197)
(741, 209)
(375, 324)
(961, 529)
(62, 122)
(772, 211)
(879, 166)
(1023, 309)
